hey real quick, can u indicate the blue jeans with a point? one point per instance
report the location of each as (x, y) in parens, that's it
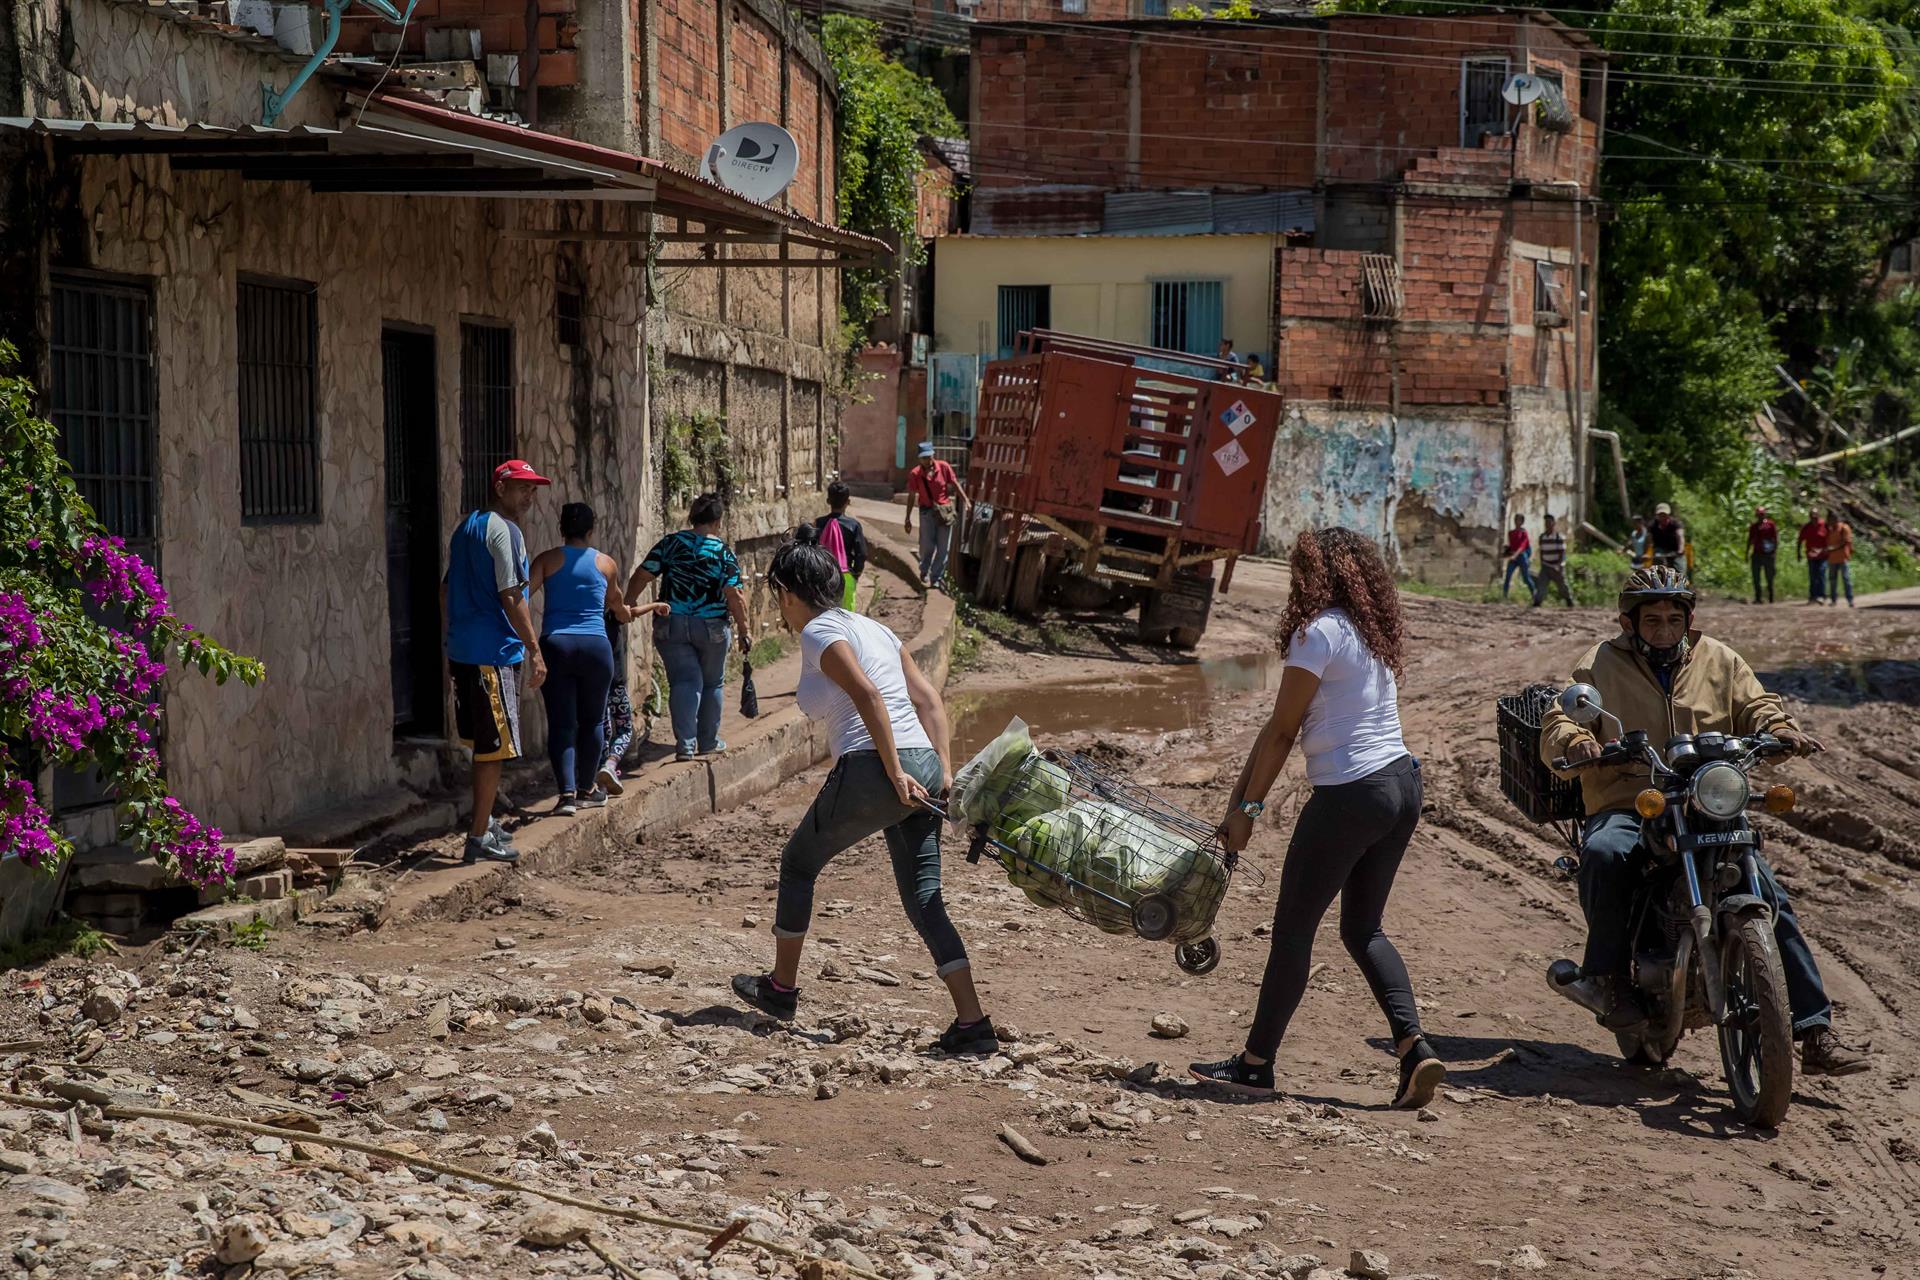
(1838, 574)
(1816, 579)
(935, 539)
(579, 673)
(1609, 871)
(694, 652)
(856, 801)
(1517, 565)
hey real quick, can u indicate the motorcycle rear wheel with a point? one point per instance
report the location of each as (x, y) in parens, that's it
(1757, 1058)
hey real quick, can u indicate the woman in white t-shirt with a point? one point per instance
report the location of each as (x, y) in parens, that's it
(1342, 636)
(890, 745)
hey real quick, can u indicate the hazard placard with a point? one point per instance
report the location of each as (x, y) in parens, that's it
(1231, 456)
(1237, 417)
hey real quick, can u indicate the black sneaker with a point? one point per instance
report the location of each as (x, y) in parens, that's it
(1421, 1072)
(757, 989)
(488, 848)
(1236, 1073)
(980, 1038)
(498, 833)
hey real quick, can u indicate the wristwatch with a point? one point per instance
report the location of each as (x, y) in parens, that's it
(1252, 808)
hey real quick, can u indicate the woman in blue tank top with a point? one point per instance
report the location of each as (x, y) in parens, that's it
(580, 593)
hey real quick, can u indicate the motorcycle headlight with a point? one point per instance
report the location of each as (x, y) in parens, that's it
(1720, 791)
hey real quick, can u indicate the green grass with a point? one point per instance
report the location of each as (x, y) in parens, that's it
(966, 649)
(252, 935)
(68, 937)
(767, 650)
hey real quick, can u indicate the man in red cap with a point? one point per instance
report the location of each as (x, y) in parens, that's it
(489, 634)
(1763, 542)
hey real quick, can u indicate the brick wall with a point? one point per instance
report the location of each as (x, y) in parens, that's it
(687, 88)
(1054, 106)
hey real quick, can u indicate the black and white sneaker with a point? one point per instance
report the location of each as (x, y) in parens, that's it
(488, 848)
(594, 799)
(610, 782)
(1421, 1072)
(1235, 1074)
(565, 807)
(757, 989)
(975, 1038)
(498, 834)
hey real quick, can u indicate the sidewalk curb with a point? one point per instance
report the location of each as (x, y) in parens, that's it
(668, 796)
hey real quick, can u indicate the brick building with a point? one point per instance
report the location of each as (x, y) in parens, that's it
(1430, 246)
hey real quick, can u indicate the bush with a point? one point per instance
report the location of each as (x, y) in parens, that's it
(85, 636)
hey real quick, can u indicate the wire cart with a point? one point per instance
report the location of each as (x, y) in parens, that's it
(1080, 839)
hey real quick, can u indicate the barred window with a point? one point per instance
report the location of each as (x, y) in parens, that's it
(487, 436)
(279, 434)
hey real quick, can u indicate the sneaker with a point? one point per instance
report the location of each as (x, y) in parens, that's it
(1421, 1072)
(757, 989)
(713, 750)
(1236, 1074)
(594, 799)
(1823, 1053)
(683, 754)
(498, 833)
(609, 780)
(565, 807)
(487, 849)
(978, 1038)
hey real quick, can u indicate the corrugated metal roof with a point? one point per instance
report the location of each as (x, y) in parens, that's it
(1157, 213)
(1016, 211)
(1236, 213)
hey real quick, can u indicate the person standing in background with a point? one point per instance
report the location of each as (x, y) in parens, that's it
(1763, 541)
(1519, 551)
(1553, 563)
(1839, 558)
(853, 540)
(489, 634)
(1637, 542)
(934, 489)
(700, 583)
(616, 727)
(1813, 545)
(1666, 539)
(582, 589)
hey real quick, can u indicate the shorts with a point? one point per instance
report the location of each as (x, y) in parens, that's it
(486, 710)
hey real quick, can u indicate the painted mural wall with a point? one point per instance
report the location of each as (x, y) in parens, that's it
(1429, 489)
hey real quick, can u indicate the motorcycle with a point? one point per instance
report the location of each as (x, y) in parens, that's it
(1703, 945)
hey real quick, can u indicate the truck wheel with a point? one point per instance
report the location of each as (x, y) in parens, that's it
(1185, 637)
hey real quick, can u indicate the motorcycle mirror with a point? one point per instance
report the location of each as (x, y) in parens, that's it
(1580, 703)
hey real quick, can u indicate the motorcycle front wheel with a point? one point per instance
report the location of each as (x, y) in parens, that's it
(1756, 1041)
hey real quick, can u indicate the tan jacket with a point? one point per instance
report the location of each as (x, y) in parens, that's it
(1714, 690)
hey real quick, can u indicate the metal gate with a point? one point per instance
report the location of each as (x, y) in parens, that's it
(487, 436)
(1023, 307)
(413, 531)
(101, 399)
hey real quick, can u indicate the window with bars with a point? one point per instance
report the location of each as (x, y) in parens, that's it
(279, 433)
(487, 436)
(1482, 110)
(1023, 307)
(1188, 315)
(101, 399)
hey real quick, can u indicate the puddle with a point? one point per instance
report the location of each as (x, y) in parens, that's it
(1138, 699)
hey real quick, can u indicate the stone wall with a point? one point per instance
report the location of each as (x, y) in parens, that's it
(310, 599)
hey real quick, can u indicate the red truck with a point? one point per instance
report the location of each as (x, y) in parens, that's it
(1108, 474)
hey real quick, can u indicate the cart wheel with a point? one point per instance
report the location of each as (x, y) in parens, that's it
(1153, 917)
(1197, 957)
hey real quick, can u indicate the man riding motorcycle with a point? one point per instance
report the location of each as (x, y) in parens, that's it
(1662, 676)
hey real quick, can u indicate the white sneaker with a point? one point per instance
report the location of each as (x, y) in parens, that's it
(610, 781)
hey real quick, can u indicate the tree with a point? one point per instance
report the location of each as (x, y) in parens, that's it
(885, 109)
(76, 690)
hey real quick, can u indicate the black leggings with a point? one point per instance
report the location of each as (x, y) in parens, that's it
(1348, 842)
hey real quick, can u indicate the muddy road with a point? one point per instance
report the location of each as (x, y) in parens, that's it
(1544, 1155)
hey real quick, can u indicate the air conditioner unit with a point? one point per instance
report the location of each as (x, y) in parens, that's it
(1073, 6)
(963, 9)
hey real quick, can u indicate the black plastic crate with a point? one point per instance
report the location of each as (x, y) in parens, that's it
(1524, 779)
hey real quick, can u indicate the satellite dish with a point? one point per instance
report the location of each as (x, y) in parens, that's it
(1523, 89)
(754, 160)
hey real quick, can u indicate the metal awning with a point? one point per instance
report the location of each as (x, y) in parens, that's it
(397, 146)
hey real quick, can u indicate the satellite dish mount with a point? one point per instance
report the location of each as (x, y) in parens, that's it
(755, 160)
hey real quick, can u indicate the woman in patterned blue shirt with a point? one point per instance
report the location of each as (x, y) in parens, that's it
(700, 583)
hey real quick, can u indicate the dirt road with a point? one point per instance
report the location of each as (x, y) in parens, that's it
(597, 1005)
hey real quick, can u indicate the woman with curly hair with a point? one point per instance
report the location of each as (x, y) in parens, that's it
(1342, 635)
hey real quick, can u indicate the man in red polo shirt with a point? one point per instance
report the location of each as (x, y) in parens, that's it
(1813, 545)
(932, 488)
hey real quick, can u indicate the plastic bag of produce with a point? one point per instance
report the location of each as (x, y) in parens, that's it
(1191, 877)
(1008, 782)
(980, 788)
(1086, 842)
